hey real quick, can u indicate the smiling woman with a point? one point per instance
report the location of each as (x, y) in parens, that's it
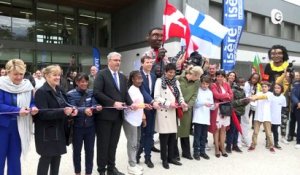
(50, 138)
(16, 128)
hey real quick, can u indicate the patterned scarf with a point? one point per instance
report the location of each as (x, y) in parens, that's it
(172, 83)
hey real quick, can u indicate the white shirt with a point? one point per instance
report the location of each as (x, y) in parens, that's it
(39, 82)
(201, 113)
(134, 117)
(263, 108)
(277, 103)
(249, 91)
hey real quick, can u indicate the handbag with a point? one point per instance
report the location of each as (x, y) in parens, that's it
(225, 109)
(179, 112)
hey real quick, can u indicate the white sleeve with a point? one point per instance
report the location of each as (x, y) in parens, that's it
(247, 89)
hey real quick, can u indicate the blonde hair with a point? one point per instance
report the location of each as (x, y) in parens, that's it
(195, 70)
(52, 69)
(15, 65)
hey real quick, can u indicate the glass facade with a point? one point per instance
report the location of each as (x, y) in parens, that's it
(44, 25)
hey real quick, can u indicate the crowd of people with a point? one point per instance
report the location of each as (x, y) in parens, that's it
(199, 100)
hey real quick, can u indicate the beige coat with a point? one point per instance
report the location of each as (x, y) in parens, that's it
(166, 120)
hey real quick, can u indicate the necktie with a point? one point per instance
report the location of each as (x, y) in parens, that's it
(116, 80)
(147, 76)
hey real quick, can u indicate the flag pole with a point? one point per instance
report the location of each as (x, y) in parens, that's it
(222, 43)
(164, 28)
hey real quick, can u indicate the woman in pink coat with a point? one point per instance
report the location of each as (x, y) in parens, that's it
(222, 93)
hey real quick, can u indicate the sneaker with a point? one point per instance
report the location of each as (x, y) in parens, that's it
(290, 138)
(207, 148)
(297, 146)
(139, 167)
(245, 144)
(283, 140)
(251, 148)
(134, 170)
(272, 150)
(277, 146)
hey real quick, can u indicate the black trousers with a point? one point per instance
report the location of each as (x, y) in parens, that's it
(167, 145)
(275, 133)
(108, 134)
(292, 124)
(185, 146)
(44, 163)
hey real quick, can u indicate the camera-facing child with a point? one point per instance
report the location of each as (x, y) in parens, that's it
(201, 117)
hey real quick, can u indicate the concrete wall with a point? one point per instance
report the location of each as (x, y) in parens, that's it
(130, 30)
(291, 12)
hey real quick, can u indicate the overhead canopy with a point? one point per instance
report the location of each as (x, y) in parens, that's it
(97, 5)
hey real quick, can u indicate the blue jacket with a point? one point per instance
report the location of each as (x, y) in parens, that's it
(74, 96)
(148, 97)
(8, 103)
(295, 94)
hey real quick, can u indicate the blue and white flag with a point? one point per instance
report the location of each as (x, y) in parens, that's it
(206, 32)
(233, 18)
(96, 57)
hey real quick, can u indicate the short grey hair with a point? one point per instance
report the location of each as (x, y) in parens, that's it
(112, 54)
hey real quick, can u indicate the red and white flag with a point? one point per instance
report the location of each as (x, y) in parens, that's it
(176, 25)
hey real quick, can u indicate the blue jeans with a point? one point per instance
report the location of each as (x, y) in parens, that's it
(146, 142)
(200, 137)
(86, 136)
(232, 134)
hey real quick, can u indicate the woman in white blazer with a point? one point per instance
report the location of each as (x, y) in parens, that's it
(167, 92)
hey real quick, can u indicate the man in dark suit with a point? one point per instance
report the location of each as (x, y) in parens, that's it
(147, 90)
(110, 90)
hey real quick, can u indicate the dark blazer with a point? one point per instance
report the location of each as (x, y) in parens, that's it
(106, 93)
(49, 125)
(295, 96)
(148, 97)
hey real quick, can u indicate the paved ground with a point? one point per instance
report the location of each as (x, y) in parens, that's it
(260, 162)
